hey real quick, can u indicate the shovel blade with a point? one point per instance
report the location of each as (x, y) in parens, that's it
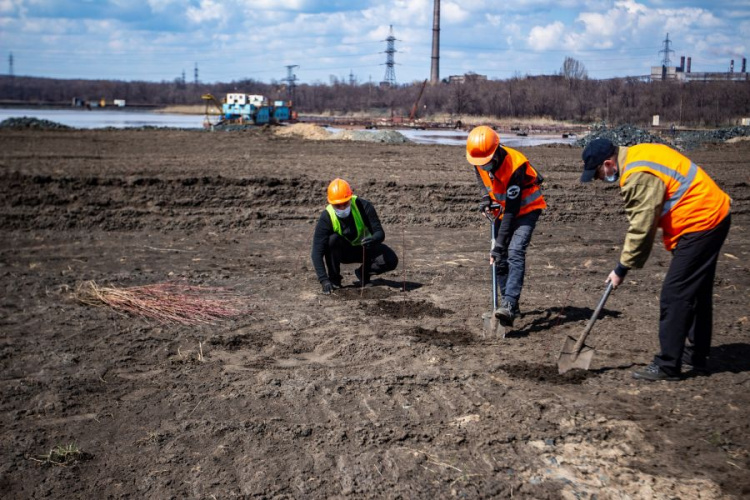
(569, 359)
(492, 327)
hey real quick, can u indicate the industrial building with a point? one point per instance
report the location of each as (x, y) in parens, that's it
(684, 73)
(468, 77)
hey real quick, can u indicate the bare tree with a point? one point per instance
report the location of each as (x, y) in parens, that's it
(566, 96)
(572, 69)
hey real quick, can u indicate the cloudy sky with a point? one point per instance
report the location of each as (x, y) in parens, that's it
(157, 40)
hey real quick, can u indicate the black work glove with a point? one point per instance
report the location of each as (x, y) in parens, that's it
(500, 255)
(368, 242)
(484, 205)
(327, 287)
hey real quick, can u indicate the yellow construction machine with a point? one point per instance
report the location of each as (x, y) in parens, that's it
(212, 102)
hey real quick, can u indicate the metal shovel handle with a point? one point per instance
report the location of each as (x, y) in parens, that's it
(590, 325)
(493, 221)
(494, 268)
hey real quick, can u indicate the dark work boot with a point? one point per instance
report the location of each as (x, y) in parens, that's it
(358, 274)
(693, 363)
(335, 281)
(506, 313)
(654, 373)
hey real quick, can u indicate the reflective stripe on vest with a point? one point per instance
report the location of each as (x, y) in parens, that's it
(532, 197)
(358, 222)
(685, 180)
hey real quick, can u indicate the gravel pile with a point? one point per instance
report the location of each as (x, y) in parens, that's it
(629, 135)
(692, 139)
(623, 135)
(26, 122)
(385, 136)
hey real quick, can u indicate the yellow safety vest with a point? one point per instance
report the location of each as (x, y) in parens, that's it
(692, 200)
(358, 222)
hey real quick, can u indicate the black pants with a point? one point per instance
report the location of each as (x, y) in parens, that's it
(687, 297)
(379, 258)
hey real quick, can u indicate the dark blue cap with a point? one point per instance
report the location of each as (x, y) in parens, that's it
(594, 155)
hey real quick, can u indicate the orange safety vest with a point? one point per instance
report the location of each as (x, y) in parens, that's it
(531, 193)
(692, 200)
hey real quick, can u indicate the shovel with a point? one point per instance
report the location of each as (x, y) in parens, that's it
(575, 354)
(492, 326)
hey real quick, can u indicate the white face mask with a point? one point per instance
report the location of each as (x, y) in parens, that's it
(344, 213)
(613, 177)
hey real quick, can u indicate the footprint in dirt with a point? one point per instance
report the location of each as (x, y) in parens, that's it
(359, 293)
(440, 338)
(545, 374)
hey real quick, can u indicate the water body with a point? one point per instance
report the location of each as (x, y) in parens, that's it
(458, 138)
(102, 118)
(124, 118)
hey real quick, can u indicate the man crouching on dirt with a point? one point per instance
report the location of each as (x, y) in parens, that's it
(346, 226)
(663, 188)
(507, 179)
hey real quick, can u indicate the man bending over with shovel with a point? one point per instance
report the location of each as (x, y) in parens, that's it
(663, 188)
(507, 179)
(349, 232)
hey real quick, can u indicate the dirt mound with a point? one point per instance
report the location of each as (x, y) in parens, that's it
(317, 133)
(305, 131)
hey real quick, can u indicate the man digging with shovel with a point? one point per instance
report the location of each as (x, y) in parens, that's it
(663, 188)
(507, 179)
(349, 232)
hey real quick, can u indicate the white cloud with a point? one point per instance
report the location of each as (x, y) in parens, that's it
(626, 23)
(546, 37)
(150, 37)
(161, 5)
(452, 13)
(293, 5)
(209, 10)
(12, 7)
(494, 19)
(512, 32)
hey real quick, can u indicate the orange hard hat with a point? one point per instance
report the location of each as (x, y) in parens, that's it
(481, 145)
(339, 191)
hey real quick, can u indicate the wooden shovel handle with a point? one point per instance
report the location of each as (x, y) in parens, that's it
(590, 325)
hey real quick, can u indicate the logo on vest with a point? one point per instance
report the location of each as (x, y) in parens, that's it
(513, 192)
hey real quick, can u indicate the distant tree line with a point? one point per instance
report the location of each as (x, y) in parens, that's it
(569, 95)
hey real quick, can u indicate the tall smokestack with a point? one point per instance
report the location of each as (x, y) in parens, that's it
(682, 63)
(690, 59)
(731, 66)
(744, 64)
(435, 67)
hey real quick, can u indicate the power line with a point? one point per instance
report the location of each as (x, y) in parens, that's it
(666, 51)
(290, 79)
(390, 74)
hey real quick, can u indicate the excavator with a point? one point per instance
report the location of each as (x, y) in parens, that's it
(211, 101)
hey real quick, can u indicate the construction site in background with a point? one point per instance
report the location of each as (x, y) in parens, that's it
(246, 109)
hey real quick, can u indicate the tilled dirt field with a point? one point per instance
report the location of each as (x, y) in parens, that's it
(362, 394)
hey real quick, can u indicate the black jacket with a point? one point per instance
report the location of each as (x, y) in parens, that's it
(324, 230)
